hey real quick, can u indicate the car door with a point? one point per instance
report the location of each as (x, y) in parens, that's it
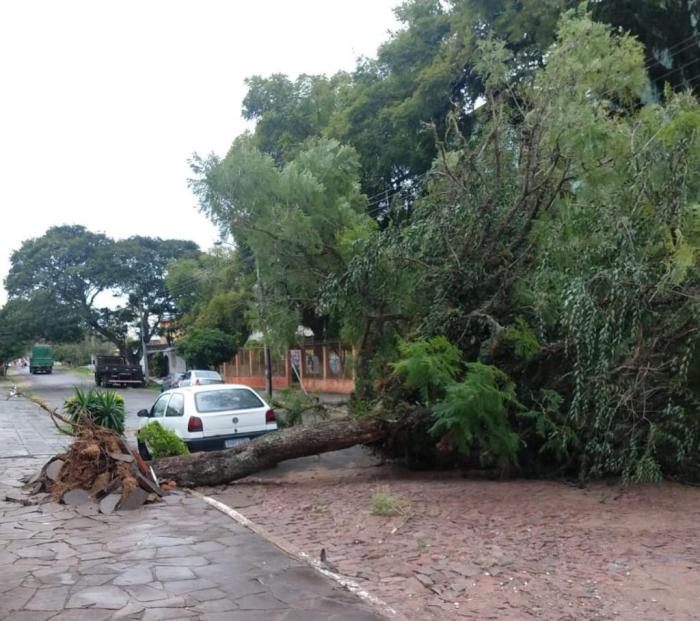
(174, 418)
(159, 407)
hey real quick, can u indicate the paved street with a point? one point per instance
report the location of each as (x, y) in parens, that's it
(54, 389)
(179, 559)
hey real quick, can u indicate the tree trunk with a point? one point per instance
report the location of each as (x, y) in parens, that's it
(218, 467)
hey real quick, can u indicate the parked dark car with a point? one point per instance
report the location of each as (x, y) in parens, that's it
(171, 381)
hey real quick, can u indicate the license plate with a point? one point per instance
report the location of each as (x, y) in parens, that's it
(235, 442)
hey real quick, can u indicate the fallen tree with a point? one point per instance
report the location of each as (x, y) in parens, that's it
(219, 467)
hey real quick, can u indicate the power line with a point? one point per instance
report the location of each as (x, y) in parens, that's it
(648, 66)
(680, 68)
(694, 37)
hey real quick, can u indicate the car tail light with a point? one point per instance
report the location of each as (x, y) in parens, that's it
(195, 424)
(196, 382)
(270, 417)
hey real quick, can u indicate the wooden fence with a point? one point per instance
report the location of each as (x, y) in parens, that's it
(317, 367)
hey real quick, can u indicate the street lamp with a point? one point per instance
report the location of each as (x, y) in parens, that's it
(261, 302)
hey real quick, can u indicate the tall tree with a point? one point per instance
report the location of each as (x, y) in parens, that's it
(144, 264)
(287, 113)
(426, 72)
(214, 291)
(294, 221)
(67, 274)
(73, 266)
(14, 340)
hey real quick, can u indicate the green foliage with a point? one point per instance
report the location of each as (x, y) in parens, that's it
(14, 341)
(523, 339)
(78, 354)
(386, 504)
(428, 366)
(432, 65)
(60, 276)
(295, 405)
(205, 348)
(158, 365)
(214, 291)
(559, 438)
(290, 218)
(569, 198)
(288, 113)
(103, 408)
(161, 442)
(474, 413)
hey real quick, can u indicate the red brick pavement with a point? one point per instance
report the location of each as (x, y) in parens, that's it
(467, 549)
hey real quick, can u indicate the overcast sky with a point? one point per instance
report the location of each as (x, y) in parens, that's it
(102, 102)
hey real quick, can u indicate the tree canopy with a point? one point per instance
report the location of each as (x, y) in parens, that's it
(63, 280)
(533, 174)
(293, 224)
(427, 72)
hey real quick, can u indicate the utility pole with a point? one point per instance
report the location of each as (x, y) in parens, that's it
(261, 304)
(266, 347)
(144, 353)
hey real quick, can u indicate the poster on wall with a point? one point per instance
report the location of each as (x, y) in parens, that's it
(295, 360)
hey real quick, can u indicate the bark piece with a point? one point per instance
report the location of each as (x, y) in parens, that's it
(113, 486)
(109, 503)
(148, 485)
(100, 485)
(218, 467)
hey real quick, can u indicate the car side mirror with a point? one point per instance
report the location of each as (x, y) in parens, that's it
(145, 413)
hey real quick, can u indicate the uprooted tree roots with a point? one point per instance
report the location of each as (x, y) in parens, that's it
(98, 466)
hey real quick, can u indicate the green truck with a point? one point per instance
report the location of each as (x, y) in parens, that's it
(41, 360)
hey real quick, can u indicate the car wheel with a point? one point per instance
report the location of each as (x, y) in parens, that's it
(143, 451)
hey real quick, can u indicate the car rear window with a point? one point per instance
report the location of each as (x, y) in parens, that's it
(222, 400)
(110, 360)
(208, 374)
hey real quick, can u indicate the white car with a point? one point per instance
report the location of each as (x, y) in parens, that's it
(210, 417)
(197, 377)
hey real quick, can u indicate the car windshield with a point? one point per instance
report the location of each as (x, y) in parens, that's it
(222, 400)
(208, 374)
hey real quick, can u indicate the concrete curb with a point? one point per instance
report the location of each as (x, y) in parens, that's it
(380, 606)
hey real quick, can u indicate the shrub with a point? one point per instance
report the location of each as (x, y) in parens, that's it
(384, 503)
(475, 414)
(161, 442)
(103, 408)
(428, 366)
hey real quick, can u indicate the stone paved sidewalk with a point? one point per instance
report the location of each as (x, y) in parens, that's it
(179, 559)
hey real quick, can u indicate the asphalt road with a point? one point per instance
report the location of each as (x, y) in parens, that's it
(54, 389)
